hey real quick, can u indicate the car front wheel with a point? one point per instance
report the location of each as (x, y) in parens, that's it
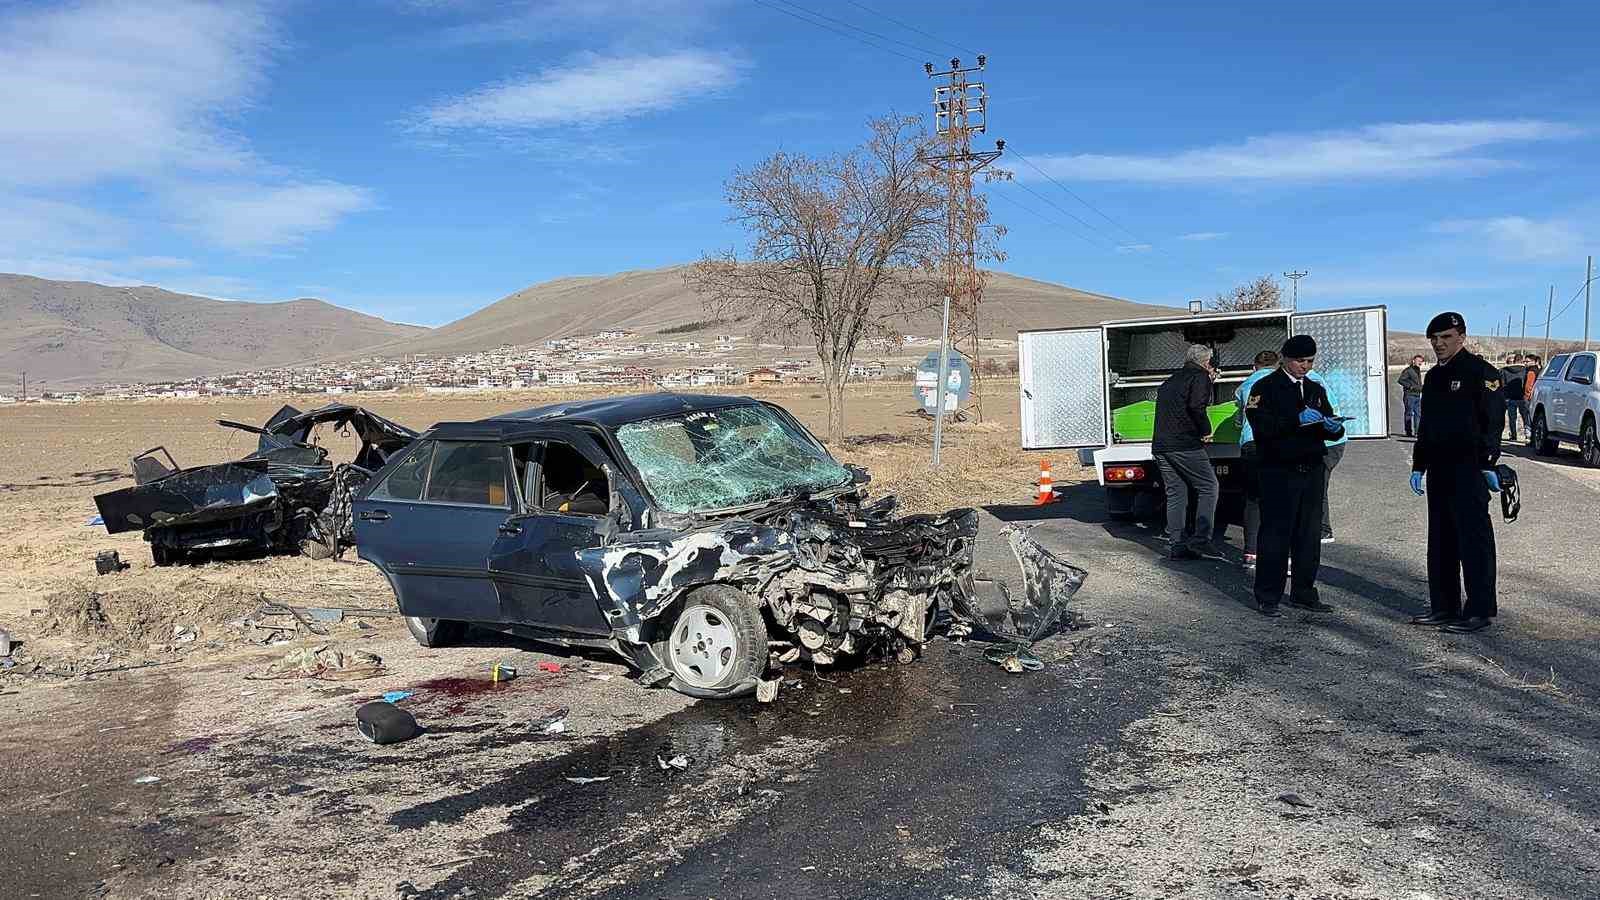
(718, 643)
(1590, 443)
(436, 632)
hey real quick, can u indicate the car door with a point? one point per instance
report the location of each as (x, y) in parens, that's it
(1575, 386)
(566, 497)
(431, 523)
(1547, 391)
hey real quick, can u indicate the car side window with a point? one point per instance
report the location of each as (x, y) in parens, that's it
(469, 472)
(569, 483)
(1582, 367)
(1554, 369)
(405, 482)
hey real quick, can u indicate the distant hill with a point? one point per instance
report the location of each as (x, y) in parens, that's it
(657, 302)
(74, 334)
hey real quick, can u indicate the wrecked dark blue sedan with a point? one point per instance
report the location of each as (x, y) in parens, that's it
(682, 532)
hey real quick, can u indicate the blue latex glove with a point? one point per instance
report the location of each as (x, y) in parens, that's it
(1309, 416)
(1331, 425)
(1416, 484)
(1492, 478)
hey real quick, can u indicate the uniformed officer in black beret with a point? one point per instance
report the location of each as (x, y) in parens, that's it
(1291, 418)
(1458, 445)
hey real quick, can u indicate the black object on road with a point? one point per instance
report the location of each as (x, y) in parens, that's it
(384, 723)
(108, 561)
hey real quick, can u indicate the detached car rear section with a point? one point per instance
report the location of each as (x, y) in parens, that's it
(1092, 390)
(285, 497)
(684, 533)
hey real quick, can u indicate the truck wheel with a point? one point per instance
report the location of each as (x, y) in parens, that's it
(1540, 438)
(717, 646)
(1590, 443)
(436, 632)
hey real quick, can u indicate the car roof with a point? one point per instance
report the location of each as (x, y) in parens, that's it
(605, 412)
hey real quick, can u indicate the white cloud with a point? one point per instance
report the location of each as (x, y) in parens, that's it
(591, 91)
(256, 216)
(1520, 238)
(1203, 236)
(1395, 150)
(141, 96)
(1134, 248)
(544, 21)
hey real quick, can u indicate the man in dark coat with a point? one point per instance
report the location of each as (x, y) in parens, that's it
(1463, 411)
(1178, 444)
(1291, 419)
(1411, 385)
(1513, 376)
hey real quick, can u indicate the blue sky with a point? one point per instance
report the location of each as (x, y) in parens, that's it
(418, 160)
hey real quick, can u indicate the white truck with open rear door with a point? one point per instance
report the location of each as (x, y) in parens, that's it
(1093, 389)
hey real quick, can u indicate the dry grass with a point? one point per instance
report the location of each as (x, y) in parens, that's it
(982, 465)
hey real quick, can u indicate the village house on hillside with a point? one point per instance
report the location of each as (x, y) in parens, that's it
(763, 375)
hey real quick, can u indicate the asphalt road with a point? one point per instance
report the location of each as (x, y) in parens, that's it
(1146, 760)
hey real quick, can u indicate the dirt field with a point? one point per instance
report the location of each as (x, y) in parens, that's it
(55, 458)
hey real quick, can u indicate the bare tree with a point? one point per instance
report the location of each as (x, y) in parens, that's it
(843, 248)
(1263, 293)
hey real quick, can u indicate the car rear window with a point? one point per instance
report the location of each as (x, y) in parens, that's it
(468, 472)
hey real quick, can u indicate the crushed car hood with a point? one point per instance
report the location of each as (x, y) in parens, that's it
(189, 496)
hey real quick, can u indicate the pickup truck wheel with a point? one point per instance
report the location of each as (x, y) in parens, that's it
(718, 643)
(1590, 444)
(436, 632)
(1540, 438)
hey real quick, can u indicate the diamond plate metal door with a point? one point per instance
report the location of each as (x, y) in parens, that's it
(1350, 363)
(1063, 388)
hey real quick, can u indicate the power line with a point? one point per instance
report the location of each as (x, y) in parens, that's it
(887, 18)
(847, 34)
(1112, 245)
(1074, 195)
(881, 37)
(1575, 295)
(1044, 218)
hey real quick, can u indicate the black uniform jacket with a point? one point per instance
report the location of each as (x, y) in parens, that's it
(1274, 413)
(1463, 411)
(1181, 420)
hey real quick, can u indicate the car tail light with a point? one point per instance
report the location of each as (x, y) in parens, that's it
(1124, 473)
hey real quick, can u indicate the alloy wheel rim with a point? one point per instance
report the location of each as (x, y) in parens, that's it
(704, 646)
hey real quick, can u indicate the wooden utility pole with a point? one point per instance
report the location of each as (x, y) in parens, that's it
(960, 110)
(1549, 310)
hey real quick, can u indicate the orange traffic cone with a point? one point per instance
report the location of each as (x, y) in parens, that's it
(1047, 491)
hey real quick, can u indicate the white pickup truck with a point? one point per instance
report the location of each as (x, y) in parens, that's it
(1091, 389)
(1566, 404)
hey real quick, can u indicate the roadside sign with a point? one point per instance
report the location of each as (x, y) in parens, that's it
(958, 385)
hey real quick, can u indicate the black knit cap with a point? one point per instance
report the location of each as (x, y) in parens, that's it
(1445, 321)
(1301, 346)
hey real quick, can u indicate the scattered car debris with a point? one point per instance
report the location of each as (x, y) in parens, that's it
(502, 672)
(5, 644)
(147, 779)
(94, 520)
(554, 668)
(285, 497)
(582, 779)
(1014, 658)
(396, 696)
(382, 722)
(679, 762)
(325, 663)
(184, 634)
(767, 691)
(687, 530)
(552, 724)
(108, 561)
(1295, 800)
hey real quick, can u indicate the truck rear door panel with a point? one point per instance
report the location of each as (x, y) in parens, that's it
(1352, 358)
(1063, 388)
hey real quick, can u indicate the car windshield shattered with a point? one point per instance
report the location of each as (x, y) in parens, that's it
(724, 458)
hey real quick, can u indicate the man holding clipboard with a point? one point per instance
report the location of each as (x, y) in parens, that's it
(1291, 420)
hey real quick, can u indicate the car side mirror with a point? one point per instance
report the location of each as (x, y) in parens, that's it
(1583, 379)
(858, 475)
